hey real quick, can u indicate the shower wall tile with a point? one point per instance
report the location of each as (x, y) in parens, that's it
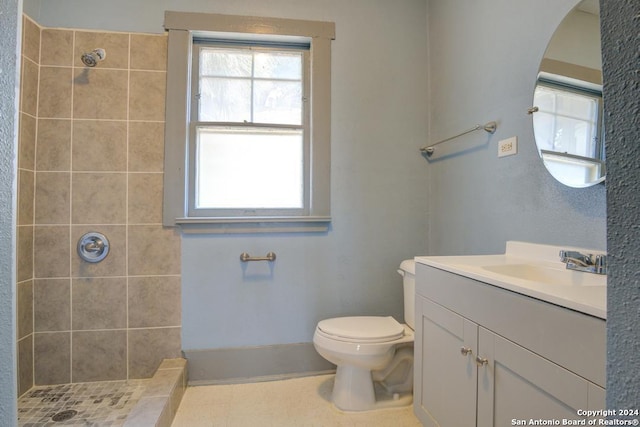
(148, 52)
(57, 47)
(154, 301)
(27, 144)
(25, 308)
(147, 348)
(145, 198)
(52, 198)
(54, 96)
(25, 253)
(29, 84)
(99, 303)
(52, 358)
(99, 355)
(92, 159)
(51, 251)
(146, 147)
(153, 250)
(31, 39)
(100, 94)
(99, 145)
(26, 181)
(99, 198)
(113, 264)
(146, 95)
(54, 145)
(25, 364)
(52, 305)
(116, 46)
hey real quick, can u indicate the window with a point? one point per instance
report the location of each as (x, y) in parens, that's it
(247, 145)
(568, 130)
(250, 121)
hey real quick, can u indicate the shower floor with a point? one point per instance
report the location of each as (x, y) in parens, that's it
(104, 403)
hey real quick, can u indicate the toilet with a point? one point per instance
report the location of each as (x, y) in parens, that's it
(373, 354)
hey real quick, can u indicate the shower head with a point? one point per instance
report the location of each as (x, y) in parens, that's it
(91, 59)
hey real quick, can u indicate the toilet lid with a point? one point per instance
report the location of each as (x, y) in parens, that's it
(363, 328)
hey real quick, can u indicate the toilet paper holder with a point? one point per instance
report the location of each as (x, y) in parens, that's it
(245, 257)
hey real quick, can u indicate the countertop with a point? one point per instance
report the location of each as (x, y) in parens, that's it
(580, 291)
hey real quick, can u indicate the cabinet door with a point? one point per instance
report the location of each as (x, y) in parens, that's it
(516, 384)
(445, 371)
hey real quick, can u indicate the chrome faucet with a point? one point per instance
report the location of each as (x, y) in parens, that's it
(589, 263)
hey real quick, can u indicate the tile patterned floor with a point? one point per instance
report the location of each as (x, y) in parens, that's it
(98, 404)
(298, 402)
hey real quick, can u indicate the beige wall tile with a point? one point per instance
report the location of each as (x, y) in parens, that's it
(147, 95)
(52, 305)
(146, 147)
(52, 358)
(57, 47)
(51, 251)
(99, 145)
(31, 40)
(153, 250)
(98, 198)
(25, 308)
(116, 46)
(154, 301)
(25, 365)
(53, 204)
(25, 253)
(27, 145)
(54, 145)
(99, 303)
(148, 52)
(99, 356)
(147, 348)
(145, 198)
(26, 180)
(100, 94)
(113, 264)
(29, 88)
(54, 95)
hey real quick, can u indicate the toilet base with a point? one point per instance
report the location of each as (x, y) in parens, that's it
(354, 390)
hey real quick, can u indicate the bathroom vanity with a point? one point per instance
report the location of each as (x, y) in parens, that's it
(505, 338)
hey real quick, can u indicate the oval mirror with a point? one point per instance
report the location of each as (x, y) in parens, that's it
(567, 102)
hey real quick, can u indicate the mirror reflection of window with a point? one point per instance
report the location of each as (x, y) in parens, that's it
(568, 113)
(568, 119)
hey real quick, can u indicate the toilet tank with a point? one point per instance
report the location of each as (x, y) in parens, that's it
(408, 272)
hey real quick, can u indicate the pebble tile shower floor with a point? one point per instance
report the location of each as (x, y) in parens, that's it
(99, 404)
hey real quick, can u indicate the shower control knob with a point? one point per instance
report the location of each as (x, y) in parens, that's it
(93, 247)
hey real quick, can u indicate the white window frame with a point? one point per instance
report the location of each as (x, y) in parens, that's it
(182, 28)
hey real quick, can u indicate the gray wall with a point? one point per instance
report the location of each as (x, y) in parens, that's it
(379, 197)
(9, 49)
(483, 58)
(484, 201)
(622, 103)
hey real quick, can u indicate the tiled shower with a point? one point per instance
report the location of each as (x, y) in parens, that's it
(91, 159)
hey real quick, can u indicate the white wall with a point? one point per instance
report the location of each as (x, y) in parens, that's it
(577, 40)
(379, 193)
(484, 57)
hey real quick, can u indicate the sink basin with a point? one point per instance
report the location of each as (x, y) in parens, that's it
(547, 275)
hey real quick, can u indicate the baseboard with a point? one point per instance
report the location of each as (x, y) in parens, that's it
(254, 364)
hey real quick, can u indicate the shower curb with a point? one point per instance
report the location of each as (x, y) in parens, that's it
(161, 398)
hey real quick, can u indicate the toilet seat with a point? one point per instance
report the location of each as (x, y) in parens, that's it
(362, 329)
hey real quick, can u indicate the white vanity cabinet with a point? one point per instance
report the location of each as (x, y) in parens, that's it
(486, 356)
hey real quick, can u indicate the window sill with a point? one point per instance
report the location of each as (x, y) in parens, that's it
(213, 225)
